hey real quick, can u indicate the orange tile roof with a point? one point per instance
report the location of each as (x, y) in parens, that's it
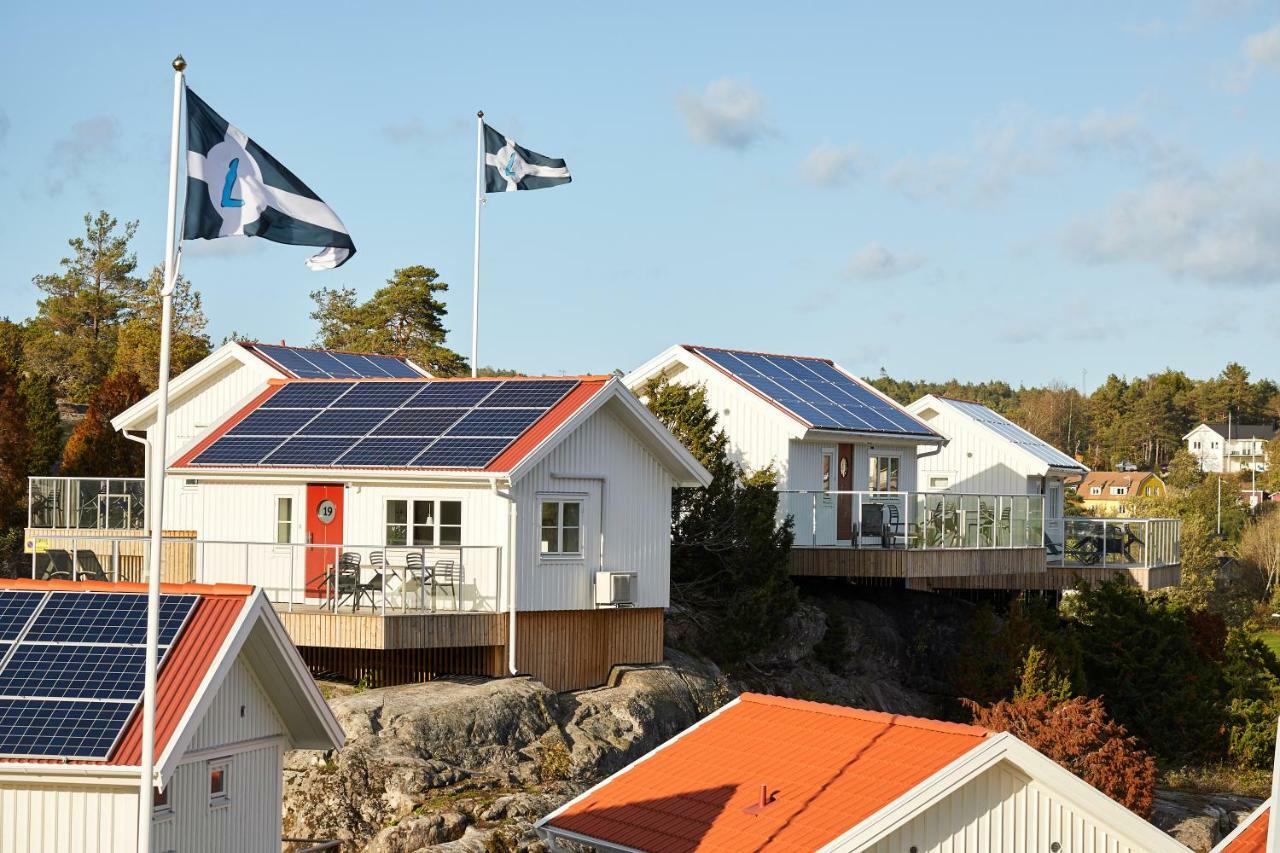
(183, 670)
(826, 769)
(1131, 480)
(1254, 837)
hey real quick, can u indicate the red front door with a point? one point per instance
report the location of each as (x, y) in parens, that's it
(324, 527)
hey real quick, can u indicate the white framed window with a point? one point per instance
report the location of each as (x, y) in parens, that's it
(1195, 445)
(1095, 490)
(883, 473)
(284, 520)
(561, 528)
(162, 801)
(1119, 490)
(423, 523)
(219, 782)
(942, 482)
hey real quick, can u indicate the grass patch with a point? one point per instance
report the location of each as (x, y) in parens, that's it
(1216, 779)
(1272, 638)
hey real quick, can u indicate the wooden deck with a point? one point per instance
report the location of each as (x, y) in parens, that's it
(1059, 579)
(845, 562)
(564, 649)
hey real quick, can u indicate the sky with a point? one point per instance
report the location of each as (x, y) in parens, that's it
(987, 190)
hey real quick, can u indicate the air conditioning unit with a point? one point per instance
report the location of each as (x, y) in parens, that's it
(615, 589)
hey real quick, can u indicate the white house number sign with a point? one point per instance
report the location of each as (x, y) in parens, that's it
(325, 511)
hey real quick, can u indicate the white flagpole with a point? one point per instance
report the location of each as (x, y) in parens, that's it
(475, 268)
(155, 490)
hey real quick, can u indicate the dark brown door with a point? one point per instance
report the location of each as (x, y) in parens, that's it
(844, 483)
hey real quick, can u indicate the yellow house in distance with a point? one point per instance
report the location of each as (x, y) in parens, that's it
(1113, 493)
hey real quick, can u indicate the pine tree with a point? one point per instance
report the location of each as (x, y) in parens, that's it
(138, 343)
(95, 449)
(44, 424)
(729, 556)
(73, 337)
(405, 318)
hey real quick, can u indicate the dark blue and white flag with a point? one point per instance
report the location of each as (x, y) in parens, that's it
(235, 188)
(508, 167)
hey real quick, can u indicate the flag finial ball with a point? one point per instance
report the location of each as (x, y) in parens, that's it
(179, 64)
(479, 113)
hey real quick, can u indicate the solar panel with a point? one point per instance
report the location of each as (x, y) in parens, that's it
(116, 617)
(16, 607)
(44, 728)
(386, 423)
(1007, 429)
(74, 672)
(817, 392)
(327, 364)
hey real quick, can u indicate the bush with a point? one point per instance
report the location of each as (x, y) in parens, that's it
(1079, 735)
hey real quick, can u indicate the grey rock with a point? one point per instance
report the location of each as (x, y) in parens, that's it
(1200, 820)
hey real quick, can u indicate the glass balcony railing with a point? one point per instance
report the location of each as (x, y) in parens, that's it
(1119, 543)
(915, 520)
(86, 503)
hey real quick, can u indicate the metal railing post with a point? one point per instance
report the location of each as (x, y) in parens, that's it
(813, 521)
(115, 560)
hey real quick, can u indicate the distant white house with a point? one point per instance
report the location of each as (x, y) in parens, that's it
(820, 427)
(208, 389)
(1230, 448)
(233, 697)
(987, 453)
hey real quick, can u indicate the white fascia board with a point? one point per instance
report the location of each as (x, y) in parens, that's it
(70, 774)
(885, 439)
(1199, 427)
(370, 476)
(674, 354)
(606, 780)
(1042, 770)
(1242, 827)
(142, 413)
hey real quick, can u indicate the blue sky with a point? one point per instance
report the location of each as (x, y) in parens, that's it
(989, 191)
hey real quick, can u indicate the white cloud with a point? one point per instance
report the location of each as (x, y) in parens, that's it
(91, 143)
(414, 131)
(874, 262)
(831, 165)
(1221, 228)
(1263, 49)
(728, 113)
(1017, 145)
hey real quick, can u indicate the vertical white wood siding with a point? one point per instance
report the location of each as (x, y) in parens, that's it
(975, 460)
(249, 821)
(1004, 811)
(240, 712)
(68, 818)
(210, 402)
(636, 516)
(805, 472)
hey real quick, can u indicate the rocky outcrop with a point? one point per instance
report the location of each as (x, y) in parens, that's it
(472, 765)
(1200, 820)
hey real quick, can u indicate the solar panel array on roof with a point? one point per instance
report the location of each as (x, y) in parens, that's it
(71, 673)
(1007, 429)
(380, 424)
(327, 364)
(816, 392)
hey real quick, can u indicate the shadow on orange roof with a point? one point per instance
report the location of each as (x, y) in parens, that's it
(824, 769)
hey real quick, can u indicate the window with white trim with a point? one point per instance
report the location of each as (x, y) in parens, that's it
(1119, 490)
(1095, 490)
(220, 782)
(423, 523)
(942, 482)
(882, 473)
(561, 528)
(161, 801)
(284, 520)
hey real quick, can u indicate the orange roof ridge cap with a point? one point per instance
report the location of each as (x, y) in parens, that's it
(234, 590)
(864, 714)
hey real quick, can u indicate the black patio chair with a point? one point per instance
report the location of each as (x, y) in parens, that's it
(344, 580)
(371, 589)
(58, 567)
(443, 575)
(893, 524)
(88, 568)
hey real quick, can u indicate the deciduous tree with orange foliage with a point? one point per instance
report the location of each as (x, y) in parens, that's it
(95, 449)
(1080, 736)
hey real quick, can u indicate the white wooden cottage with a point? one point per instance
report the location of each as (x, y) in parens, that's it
(425, 501)
(764, 772)
(987, 452)
(847, 459)
(233, 696)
